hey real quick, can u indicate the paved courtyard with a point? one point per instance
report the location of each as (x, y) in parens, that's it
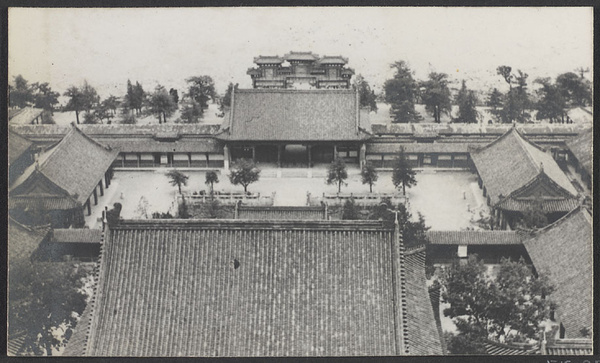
(447, 200)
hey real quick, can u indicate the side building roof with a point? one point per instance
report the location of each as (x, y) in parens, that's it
(563, 251)
(294, 115)
(17, 146)
(470, 238)
(512, 161)
(581, 146)
(254, 288)
(76, 164)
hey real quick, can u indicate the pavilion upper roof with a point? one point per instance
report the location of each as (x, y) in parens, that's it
(302, 56)
(295, 115)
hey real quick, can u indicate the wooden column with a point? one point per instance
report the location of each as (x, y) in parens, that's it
(95, 194)
(254, 153)
(89, 207)
(139, 158)
(101, 188)
(226, 157)
(335, 154)
(279, 156)
(308, 149)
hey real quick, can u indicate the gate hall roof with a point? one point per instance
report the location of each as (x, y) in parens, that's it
(257, 288)
(295, 115)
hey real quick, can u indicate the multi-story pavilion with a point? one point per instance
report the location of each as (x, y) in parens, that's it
(295, 127)
(300, 70)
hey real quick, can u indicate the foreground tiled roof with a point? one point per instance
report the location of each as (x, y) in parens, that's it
(562, 347)
(423, 337)
(474, 238)
(77, 235)
(563, 251)
(495, 348)
(294, 115)
(581, 147)
(257, 288)
(76, 164)
(281, 213)
(25, 116)
(24, 240)
(511, 161)
(17, 145)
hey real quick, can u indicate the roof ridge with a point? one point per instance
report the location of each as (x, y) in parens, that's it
(537, 177)
(523, 142)
(106, 147)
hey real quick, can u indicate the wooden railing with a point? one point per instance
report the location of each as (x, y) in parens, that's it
(359, 198)
(230, 198)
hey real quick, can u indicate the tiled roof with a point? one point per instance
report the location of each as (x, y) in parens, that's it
(494, 348)
(413, 147)
(261, 59)
(76, 164)
(17, 145)
(301, 56)
(546, 205)
(248, 288)
(40, 202)
(333, 60)
(76, 345)
(581, 146)
(23, 240)
(563, 251)
(244, 288)
(474, 129)
(294, 115)
(562, 347)
(511, 161)
(25, 116)
(14, 344)
(77, 235)
(423, 337)
(148, 144)
(471, 238)
(118, 129)
(281, 213)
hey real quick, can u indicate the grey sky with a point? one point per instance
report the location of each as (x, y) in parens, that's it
(109, 46)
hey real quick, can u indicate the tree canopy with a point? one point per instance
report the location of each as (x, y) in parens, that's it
(369, 175)
(511, 304)
(403, 174)
(210, 179)
(226, 99)
(436, 95)
(201, 89)
(134, 98)
(551, 104)
(414, 233)
(337, 173)
(575, 90)
(366, 95)
(244, 173)
(177, 178)
(161, 103)
(82, 98)
(400, 93)
(467, 105)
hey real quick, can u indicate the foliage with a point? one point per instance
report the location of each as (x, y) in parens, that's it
(182, 210)
(103, 112)
(414, 233)
(43, 96)
(400, 93)
(142, 208)
(82, 98)
(128, 116)
(177, 178)
(403, 174)
(350, 210)
(157, 215)
(516, 102)
(111, 103)
(551, 103)
(244, 173)
(201, 89)
(366, 95)
(495, 101)
(575, 90)
(134, 98)
(511, 304)
(369, 175)
(190, 111)
(174, 95)
(534, 217)
(161, 103)
(20, 95)
(44, 296)
(210, 179)
(467, 105)
(469, 339)
(436, 95)
(337, 173)
(90, 118)
(226, 100)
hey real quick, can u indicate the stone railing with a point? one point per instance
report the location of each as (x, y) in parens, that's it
(231, 198)
(363, 199)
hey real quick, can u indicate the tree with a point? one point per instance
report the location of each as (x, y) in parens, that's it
(44, 97)
(21, 94)
(369, 175)
(82, 98)
(177, 178)
(366, 95)
(576, 90)
(350, 211)
(517, 99)
(44, 296)
(436, 95)
(111, 103)
(511, 304)
(400, 92)
(414, 233)
(551, 103)
(403, 173)
(467, 105)
(226, 100)
(134, 98)
(337, 173)
(174, 95)
(201, 89)
(211, 178)
(190, 110)
(244, 173)
(495, 101)
(161, 103)
(534, 217)
(103, 112)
